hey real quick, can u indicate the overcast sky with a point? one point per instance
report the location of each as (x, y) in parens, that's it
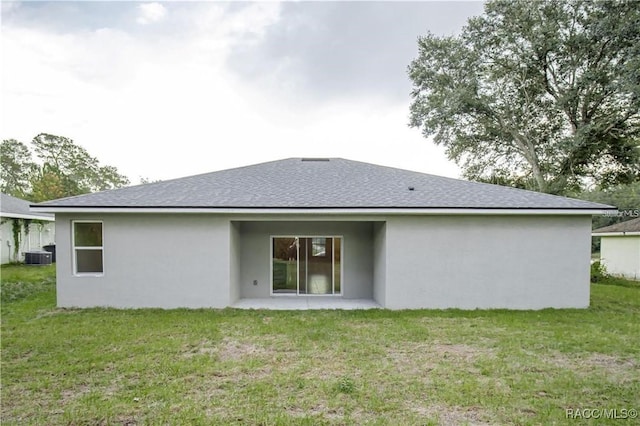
(169, 89)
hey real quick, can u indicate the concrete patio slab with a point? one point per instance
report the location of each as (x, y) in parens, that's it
(296, 303)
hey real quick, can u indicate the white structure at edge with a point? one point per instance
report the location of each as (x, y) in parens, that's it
(620, 248)
(34, 230)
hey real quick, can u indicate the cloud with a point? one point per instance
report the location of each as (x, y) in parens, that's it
(155, 98)
(323, 50)
(150, 13)
(165, 101)
(66, 17)
(7, 7)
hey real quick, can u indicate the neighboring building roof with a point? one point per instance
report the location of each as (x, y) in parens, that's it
(631, 227)
(19, 208)
(303, 183)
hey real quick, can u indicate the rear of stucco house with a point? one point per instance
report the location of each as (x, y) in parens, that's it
(22, 231)
(322, 227)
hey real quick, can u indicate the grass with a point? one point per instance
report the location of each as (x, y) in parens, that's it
(20, 281)
(124, 367)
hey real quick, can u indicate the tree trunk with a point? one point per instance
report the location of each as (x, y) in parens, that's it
(537, 175)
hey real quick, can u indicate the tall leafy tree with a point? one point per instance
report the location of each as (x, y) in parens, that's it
(16, 168)
(625, 197)
(62, 169)
(542, 95)
(79, 172)
(49, 183)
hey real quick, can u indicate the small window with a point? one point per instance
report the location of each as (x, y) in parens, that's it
(87, 248)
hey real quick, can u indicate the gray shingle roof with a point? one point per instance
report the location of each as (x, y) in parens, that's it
(320, 183)
(17, 207)
(632, 225)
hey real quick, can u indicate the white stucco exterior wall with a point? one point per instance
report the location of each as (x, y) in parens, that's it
(234, 259)
(621, 255)
(165, 261)
(468, 262)
(379, 262)
(419, 261)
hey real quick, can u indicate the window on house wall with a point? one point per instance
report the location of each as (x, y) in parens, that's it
(87, 248)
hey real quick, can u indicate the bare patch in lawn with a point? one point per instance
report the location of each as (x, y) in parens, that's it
(126, 421)
(428, 356)
(447, 415)
(319, 410)
(233, 350)
(461, 352)
(43, 313)
(321, 366)
(68, 395)
(227, 350)
(205, 347)
(611, 365)
(411, 360)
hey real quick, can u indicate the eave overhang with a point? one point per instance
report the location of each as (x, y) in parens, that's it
(28, 216)
(322, 210)
(615, 234)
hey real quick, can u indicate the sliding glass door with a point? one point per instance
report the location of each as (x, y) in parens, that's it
(306, 265)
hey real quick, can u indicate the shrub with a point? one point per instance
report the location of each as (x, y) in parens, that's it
(598, 272)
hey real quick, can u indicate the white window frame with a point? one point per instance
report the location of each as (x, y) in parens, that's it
(74, 249)
(297, 293)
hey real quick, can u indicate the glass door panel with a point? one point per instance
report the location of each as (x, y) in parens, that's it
(285, 265)
(303, 266)
(306, 265)
(319, 265)
(337, 264)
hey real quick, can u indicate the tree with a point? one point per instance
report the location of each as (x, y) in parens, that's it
(50, 183)
(79, 172)
(542, 95)
(16, 168)
(625, 197)
(64, 169)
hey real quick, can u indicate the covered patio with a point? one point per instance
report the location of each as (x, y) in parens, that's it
(292, 263)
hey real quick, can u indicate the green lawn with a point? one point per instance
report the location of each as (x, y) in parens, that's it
(123, 367)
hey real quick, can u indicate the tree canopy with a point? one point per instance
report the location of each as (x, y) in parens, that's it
(541, 95)
(625, 197)
(16, 168)
(62, 169)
